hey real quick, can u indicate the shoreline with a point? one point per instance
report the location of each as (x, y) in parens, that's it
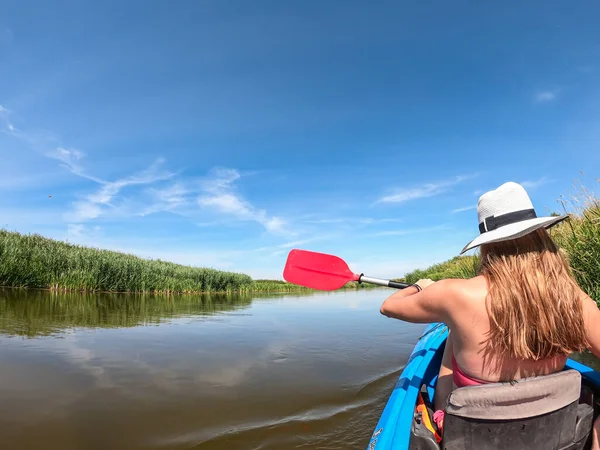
(293, 290)
(92, 291)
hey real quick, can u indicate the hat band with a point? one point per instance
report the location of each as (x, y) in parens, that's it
(493, 222)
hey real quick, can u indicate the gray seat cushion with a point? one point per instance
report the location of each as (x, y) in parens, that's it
(532, 413)
(527, 397)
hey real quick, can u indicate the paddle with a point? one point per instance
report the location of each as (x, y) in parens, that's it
(325, 272)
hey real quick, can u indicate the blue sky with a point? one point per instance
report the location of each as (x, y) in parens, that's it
(223, 134)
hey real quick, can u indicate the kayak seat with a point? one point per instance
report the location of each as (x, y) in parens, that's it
(542, 412)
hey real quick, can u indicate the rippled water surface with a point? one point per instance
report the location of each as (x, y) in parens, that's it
(207, 372)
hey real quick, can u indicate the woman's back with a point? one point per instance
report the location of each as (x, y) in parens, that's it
(470, 331)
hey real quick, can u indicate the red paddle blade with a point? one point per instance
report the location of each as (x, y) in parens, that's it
(317, 270)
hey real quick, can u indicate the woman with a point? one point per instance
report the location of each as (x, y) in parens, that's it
(522, 316)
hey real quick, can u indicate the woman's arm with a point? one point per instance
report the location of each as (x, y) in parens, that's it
(445, 382)
(429, 305)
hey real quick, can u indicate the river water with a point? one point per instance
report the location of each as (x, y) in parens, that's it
(211, 372)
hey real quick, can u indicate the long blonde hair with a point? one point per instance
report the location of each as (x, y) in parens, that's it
(533, 301)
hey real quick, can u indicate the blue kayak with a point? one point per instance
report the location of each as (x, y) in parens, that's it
(396, 426)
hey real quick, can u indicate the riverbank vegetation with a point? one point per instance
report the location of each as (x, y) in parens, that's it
(578, 237)
(33, 261)
(457, 267)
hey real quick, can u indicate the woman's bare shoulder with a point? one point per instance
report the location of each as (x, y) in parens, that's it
(462, 288)
(465, 300)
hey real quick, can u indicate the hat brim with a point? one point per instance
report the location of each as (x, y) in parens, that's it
(513, 231)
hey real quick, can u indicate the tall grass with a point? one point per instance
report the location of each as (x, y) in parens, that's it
(578, 237)
(275, 286)
(457, 267)
(33, 261)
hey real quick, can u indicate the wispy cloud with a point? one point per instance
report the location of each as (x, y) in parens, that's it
(70, 159)
(218, 191)
(167, 199)
(75, 230)
(412, 230)
(211, 223)
(423, 191)
(93, 205)
(38, 140)
(281, 249)
(354, 220)
(463, 209)
(84, 210)
(220, 194)
(546, 96)
(533, 184)
(6, 125)
(150, 175)
(84, 234)
(293, 244)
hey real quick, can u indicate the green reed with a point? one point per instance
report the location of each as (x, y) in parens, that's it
(33, 261)
(579, 237)
(457, 267)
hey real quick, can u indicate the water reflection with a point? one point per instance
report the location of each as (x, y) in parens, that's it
(40, 313)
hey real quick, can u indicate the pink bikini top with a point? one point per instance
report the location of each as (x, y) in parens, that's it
(461, 379)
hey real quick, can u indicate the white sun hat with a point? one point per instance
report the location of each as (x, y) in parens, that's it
(507, 213)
